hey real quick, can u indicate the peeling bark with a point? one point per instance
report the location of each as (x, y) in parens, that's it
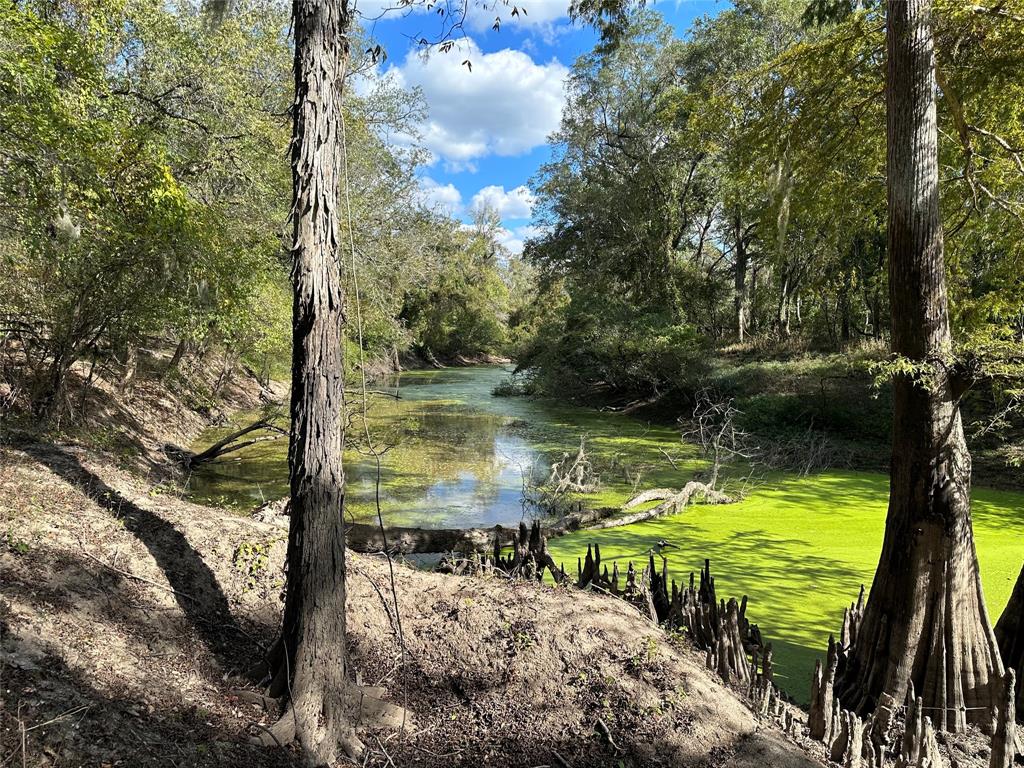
(308, 666)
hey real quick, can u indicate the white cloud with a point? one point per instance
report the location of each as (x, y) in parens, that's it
(514, 239)
(532, 14)
(443, 198)
(515, 204)
(506, 105)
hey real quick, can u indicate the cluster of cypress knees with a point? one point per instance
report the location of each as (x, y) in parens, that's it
(891, 736)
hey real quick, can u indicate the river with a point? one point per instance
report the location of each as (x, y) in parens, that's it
(454, 455)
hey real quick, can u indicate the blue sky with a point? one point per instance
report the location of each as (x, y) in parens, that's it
(486, 128)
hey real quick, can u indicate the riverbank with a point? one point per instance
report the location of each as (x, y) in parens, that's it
(125, 612)
(133, 414)
(817, 410)
(456, 457)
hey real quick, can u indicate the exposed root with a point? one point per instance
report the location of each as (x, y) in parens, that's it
(361, 707)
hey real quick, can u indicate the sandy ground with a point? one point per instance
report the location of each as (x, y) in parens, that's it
(125, 615)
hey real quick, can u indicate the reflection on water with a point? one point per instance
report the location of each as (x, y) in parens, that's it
(453, 454)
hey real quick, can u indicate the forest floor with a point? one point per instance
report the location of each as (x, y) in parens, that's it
(127, 615)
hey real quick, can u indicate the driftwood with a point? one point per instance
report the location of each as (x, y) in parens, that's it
(673, 502)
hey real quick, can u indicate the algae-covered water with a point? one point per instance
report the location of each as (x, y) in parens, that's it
(457, 456)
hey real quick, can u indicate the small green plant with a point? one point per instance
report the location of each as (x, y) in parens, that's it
(15, 545)
(252, 559)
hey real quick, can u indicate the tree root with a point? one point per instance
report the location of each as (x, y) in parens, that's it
(362, 706)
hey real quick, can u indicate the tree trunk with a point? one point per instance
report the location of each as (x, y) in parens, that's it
(925, 622)
(740, 280)
(308, 663)
(175, 361)
(131, 368)
(1010, 635)
(844, 307)
(782, 315)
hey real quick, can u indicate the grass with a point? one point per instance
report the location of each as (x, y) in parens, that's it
(800, 548)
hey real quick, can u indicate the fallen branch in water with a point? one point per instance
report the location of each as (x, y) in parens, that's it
(674, 501)
(226, 445)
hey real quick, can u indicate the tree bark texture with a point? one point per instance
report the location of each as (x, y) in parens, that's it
(310, 657)
(925, 622)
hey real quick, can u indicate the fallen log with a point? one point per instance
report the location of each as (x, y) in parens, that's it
(226, 445)
(364, 537)
(673, 503)
(368, 538)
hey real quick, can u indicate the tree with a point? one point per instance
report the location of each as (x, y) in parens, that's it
(308, 664)
(925, 621)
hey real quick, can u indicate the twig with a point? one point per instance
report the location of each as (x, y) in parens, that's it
(670, 459)
(130, 575)
(606, 732)
(59, 717)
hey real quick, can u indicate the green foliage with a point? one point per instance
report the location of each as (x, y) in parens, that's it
(463, 307)
(252, 558)
(142, 145)
(730, 187)
(144, 161)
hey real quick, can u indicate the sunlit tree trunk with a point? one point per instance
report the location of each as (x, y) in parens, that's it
(308, 663)
(740, 297)
(925, 621)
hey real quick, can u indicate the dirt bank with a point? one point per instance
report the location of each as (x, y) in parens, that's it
(131, 414)
(124, 613)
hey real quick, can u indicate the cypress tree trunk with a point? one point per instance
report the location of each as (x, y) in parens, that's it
(925, 621)
(1010, 635)
(308, 663)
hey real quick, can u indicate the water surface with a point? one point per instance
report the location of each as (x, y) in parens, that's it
(453, 455)
(456, 456)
